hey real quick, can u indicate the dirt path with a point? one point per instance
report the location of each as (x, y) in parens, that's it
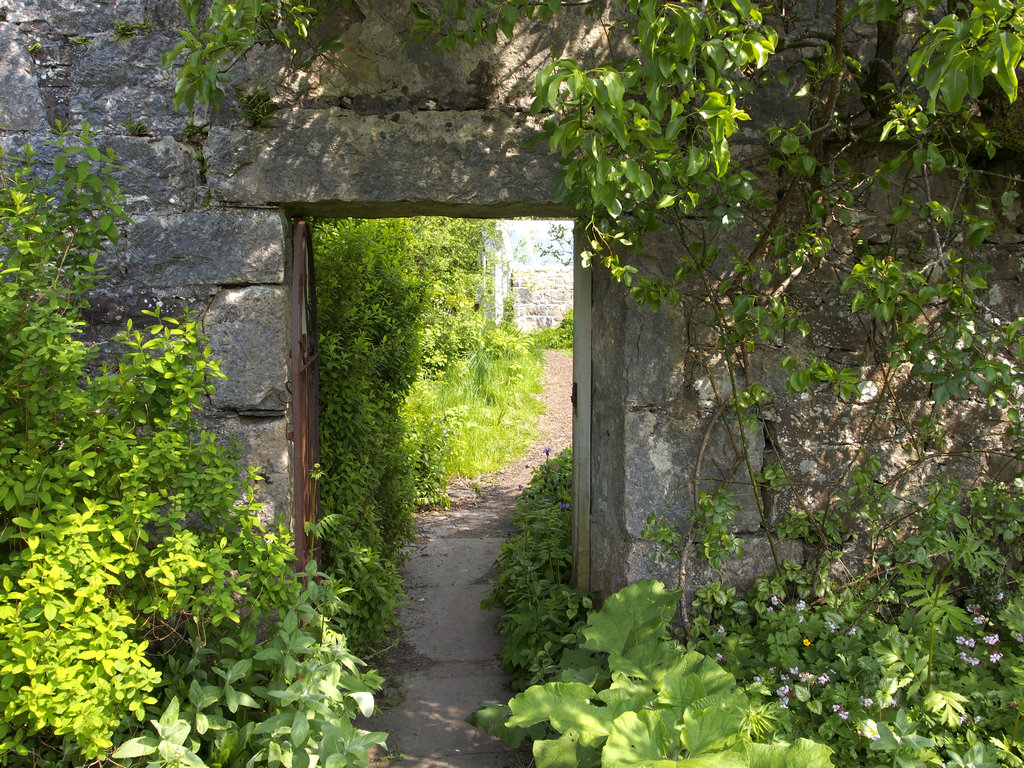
(448, 664)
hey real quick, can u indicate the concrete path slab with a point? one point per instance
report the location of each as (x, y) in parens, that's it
(449, 661)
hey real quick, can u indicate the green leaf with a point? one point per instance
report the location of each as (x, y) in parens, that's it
(137, 747)
(300, 730)
(638, 738)
(802, 753)
(710, 730)
(565, 705)
(557, 753)
(953, 87)
(637, 614)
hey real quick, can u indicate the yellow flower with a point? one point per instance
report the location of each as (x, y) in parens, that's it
(806, 641)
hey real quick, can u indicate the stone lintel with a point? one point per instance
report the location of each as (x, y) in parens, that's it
(332, 162)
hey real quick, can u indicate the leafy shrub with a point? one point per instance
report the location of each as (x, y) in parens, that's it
(429, 437)
(370, 300)
(630, 695)
(129, 542)
(287, 698)
(542, 610)
(558, 337)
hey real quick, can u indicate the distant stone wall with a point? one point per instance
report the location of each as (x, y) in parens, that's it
(541, 297)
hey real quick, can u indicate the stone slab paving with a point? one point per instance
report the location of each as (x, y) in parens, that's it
(451, 655)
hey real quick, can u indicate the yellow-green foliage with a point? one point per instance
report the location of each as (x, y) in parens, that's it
(127, 539)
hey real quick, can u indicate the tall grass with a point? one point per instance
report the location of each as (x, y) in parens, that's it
(487, 400)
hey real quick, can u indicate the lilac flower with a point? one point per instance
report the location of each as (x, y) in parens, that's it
(831, 625)
(973, 608)
(757, 678)
(784, 702)
(547, 451)
(970, 660)
(979, 620)
(775, 600)
(867, 702)
(852, 631)
(720, 630)
(995, 657)
(794, 671)
(782, 691)
(719, 658)
(823, 678)
(801, 605)
(991, 639)
(869, 730)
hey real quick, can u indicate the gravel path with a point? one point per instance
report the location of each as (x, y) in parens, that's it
(448, 662)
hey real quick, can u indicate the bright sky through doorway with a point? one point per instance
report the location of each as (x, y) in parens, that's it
(537, 243)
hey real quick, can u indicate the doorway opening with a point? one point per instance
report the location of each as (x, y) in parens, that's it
(386, 314)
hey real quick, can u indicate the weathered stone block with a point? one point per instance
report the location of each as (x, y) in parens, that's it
(742, 572)
(96, 16)
(21, 105)
(264, 444)
(248, 331)
(159, 174)
(116, 82)
(208, 247)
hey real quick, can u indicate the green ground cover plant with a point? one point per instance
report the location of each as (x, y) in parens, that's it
(542, 611)
(916, 664)
(627, 694)
(146, 616)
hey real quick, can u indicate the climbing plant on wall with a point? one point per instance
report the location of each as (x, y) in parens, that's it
(772, 171)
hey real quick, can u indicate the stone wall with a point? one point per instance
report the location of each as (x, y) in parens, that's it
(541, 297)
(387, 129)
